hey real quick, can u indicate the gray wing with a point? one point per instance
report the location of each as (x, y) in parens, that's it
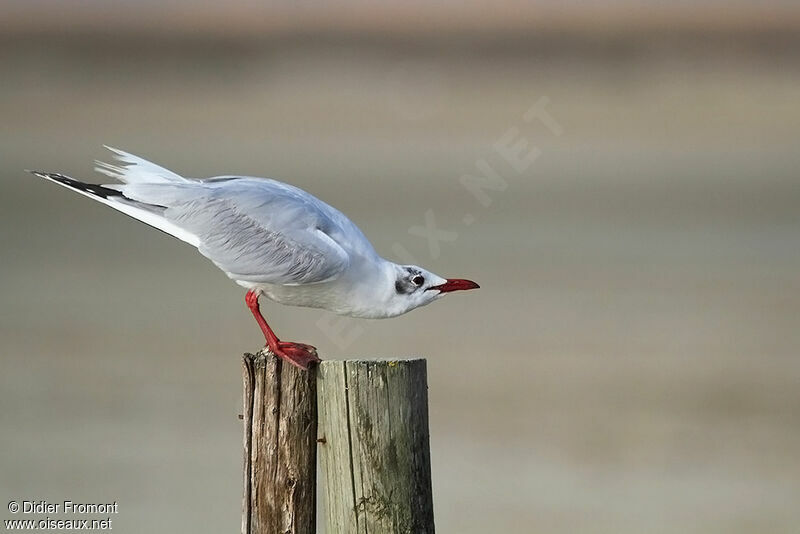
(256, 230)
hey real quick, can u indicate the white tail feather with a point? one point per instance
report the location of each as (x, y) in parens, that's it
(134, 169)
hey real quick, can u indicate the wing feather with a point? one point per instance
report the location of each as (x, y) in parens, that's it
(255, 230)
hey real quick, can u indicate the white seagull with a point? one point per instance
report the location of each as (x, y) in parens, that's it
(273, 239)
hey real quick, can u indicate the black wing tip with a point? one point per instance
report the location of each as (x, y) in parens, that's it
(93, 189)
(51, 175)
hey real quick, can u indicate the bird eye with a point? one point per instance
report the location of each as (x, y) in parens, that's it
(418, 280)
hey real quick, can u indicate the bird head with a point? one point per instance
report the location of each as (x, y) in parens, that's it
(415, 287)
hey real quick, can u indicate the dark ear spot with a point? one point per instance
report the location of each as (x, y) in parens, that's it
(404, 286)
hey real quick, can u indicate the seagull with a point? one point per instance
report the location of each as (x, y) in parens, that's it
(271, 238)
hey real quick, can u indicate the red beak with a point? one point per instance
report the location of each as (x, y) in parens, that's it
(456, 284)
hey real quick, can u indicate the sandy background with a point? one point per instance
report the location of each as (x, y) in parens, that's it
(630, 363)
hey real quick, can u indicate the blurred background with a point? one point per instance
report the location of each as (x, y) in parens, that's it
(630, 363)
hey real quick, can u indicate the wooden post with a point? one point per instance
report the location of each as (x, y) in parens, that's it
(280, 426)
(374, 446)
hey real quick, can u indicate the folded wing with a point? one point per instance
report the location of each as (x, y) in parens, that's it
(255, 230)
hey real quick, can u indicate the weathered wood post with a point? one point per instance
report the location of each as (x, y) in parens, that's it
(280, 428)
(374, 446)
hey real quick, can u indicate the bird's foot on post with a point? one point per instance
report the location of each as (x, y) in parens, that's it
(298, 354)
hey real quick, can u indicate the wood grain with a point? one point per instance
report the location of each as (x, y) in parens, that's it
(280, 426)
(374, 446)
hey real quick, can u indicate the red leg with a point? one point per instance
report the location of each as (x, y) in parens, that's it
(297, 354)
